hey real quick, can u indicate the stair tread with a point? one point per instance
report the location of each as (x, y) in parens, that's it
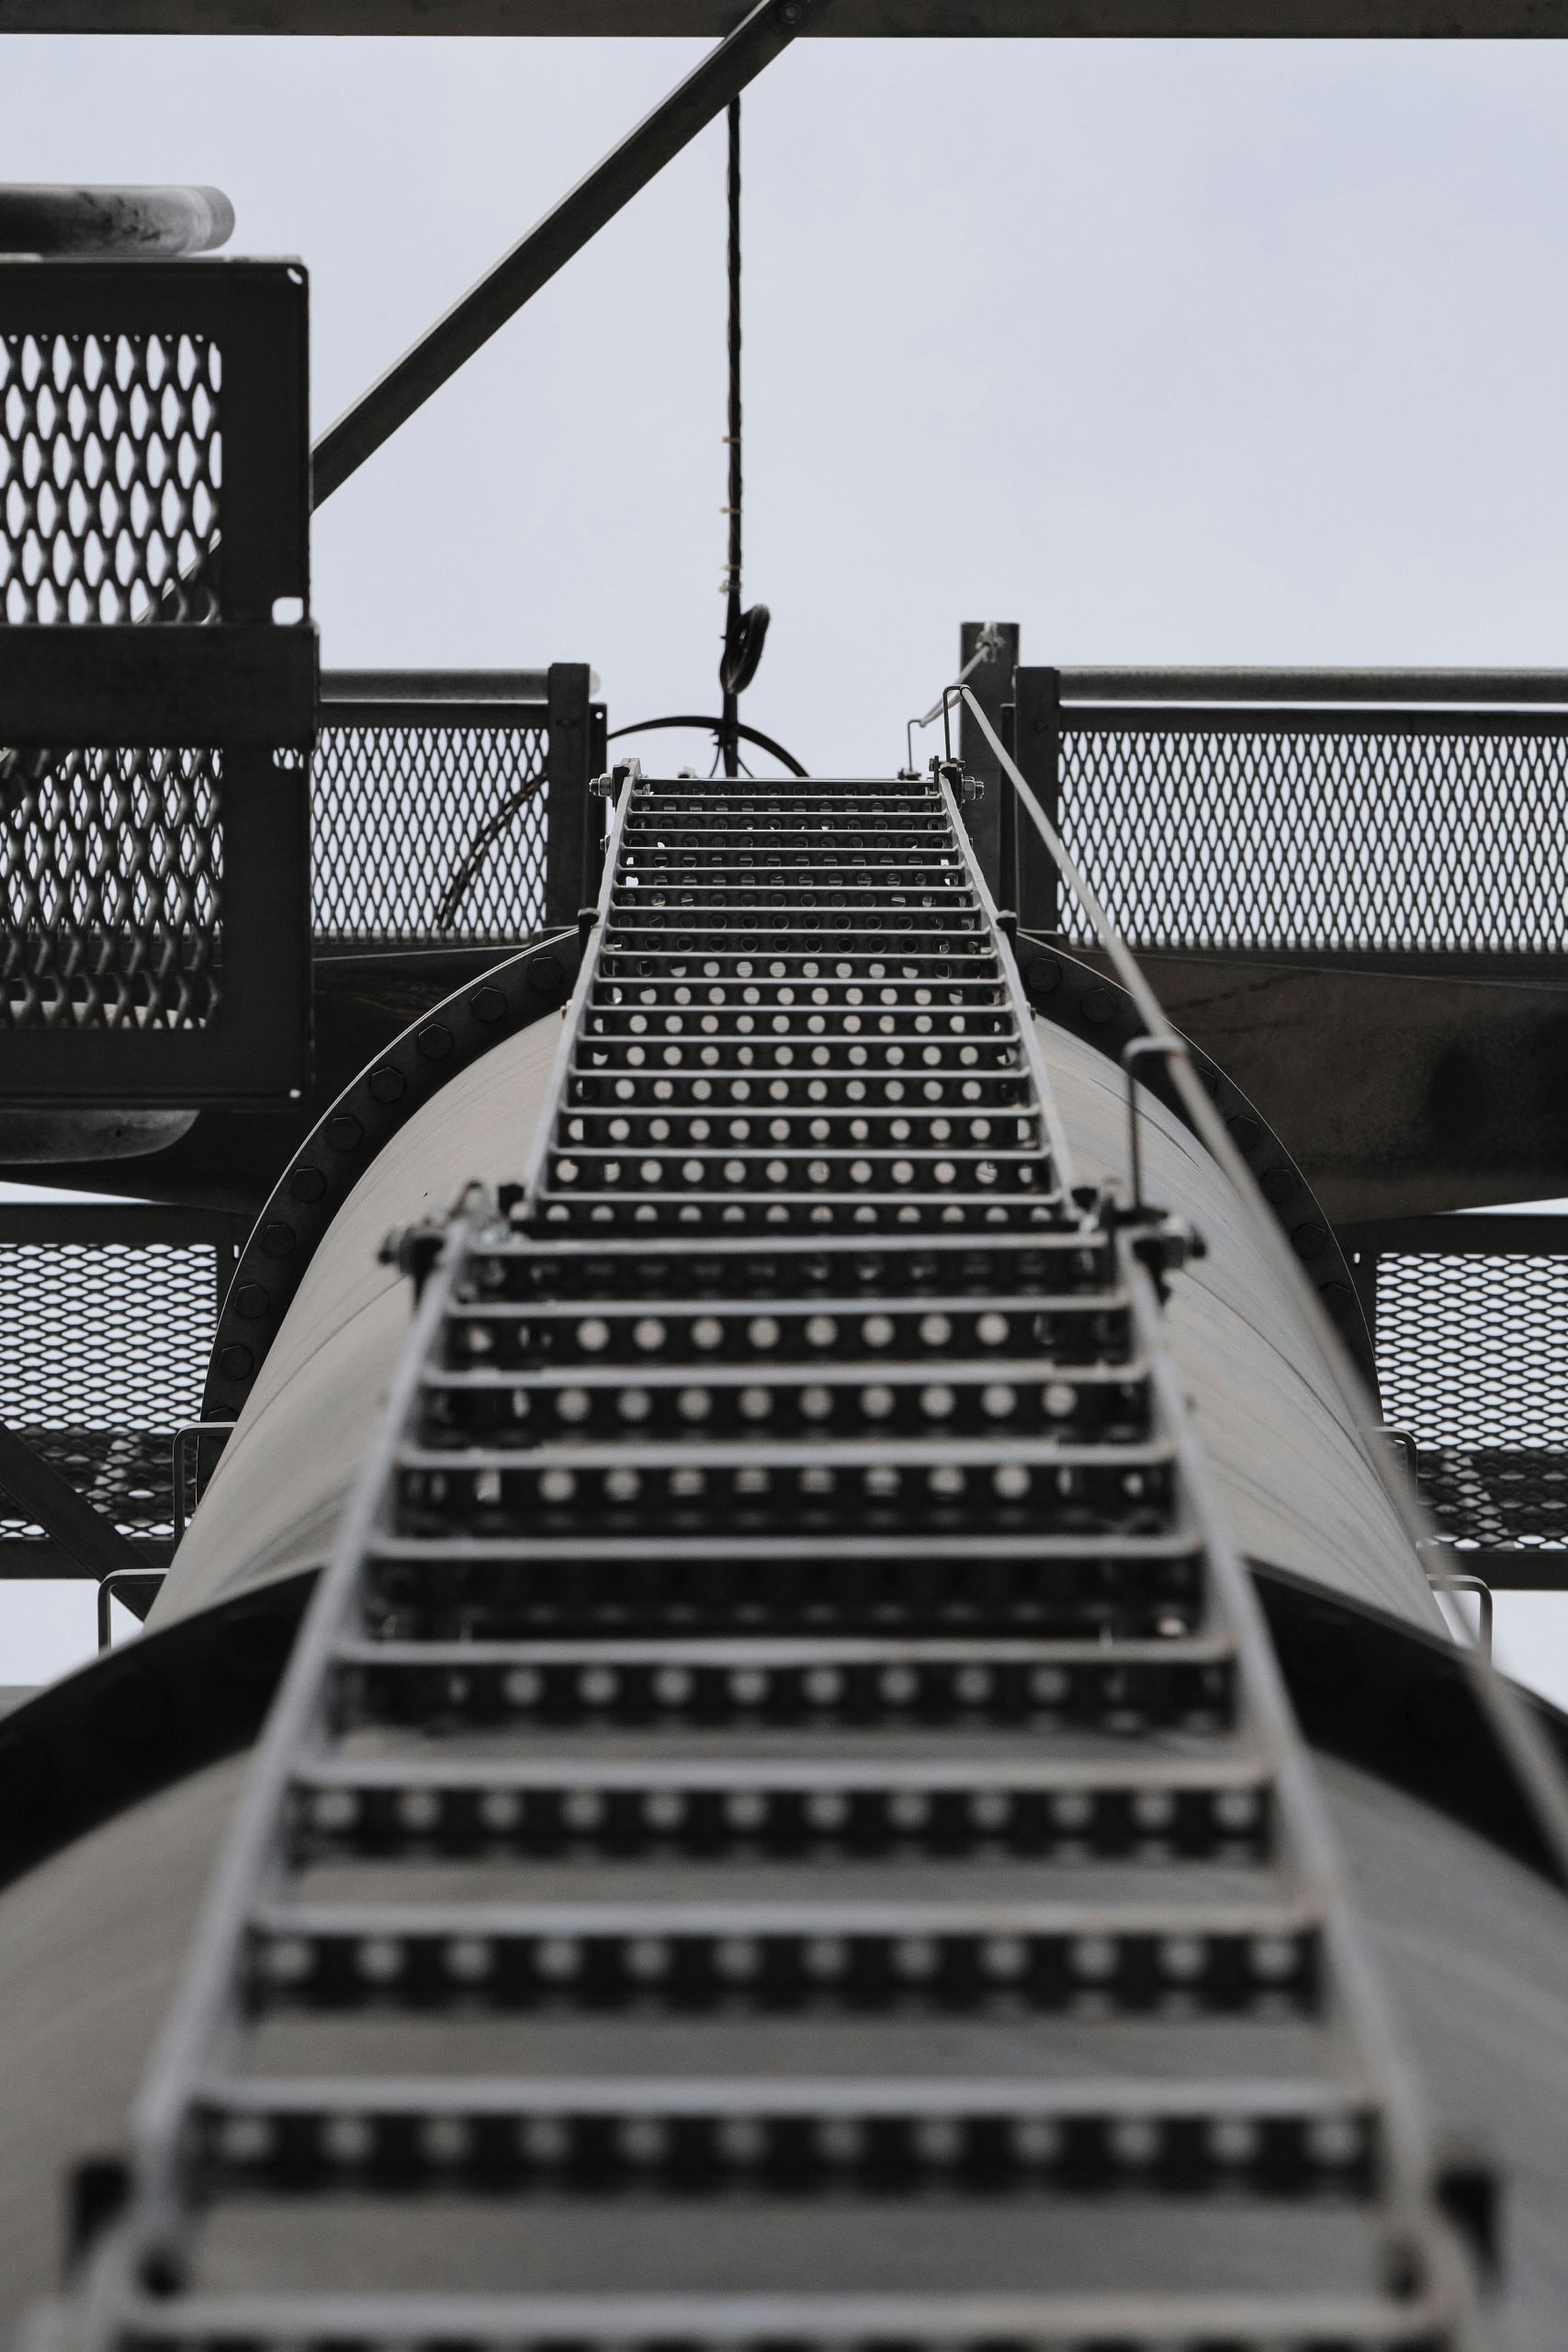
(830, 1893)
(935, 1757)
(1033, 2050)
(1050, 2247)
(920, 2092)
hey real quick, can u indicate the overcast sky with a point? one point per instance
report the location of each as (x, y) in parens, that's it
(1171, 354)
(1206, 353)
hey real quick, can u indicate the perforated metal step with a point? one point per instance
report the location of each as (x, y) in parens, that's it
(783, 1827)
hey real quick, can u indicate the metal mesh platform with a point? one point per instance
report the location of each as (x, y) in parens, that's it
(111, 459)
(433, 826)
(1470, 1320)
(111, 878)
(1325, 832)
(106, 1320)
(448, 809)
(157, 681)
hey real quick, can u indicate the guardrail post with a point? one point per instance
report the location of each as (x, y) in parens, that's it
(991, 685)
(569, 852)
(1364, 1275)
(598, 764)
(1037, 739)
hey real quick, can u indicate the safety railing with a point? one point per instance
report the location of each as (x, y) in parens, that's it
(450, 808)
(1469, 1317)
(157, 681)
(1402, 819)
(106, 1322)
(1518, 1736)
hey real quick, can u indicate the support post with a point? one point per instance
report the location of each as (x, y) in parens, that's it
(1364, 1275)
(570, 818)
(1037, 747)
(598, 763)
(1006, 815)
(991, 685)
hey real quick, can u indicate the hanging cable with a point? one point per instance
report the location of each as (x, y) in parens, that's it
(744, 632)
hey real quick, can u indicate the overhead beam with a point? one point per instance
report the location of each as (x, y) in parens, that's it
(854, 19)
(759, 37)
(1397, 1096)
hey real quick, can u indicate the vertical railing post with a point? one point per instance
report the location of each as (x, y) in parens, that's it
(1037, 736)
(598, 810)
(1364, 1275)
(1007, 819)
(567, 766)
(990, 681)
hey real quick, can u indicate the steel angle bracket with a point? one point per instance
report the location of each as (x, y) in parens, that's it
(158, 682)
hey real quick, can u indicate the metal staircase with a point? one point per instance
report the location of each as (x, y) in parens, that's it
(783, 1827)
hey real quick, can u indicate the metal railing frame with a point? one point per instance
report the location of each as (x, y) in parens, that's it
(1525, 1567)
(561, 703)
(1045, 702)
(1520, 1738)
(91, 1225)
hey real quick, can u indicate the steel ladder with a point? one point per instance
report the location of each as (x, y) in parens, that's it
(782, 1827)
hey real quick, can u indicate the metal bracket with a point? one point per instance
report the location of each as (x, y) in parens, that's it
(178, 1464)
(413, 1249)
(119, 1585)
(1403, 1443)
(1164, 1044)
(1482, 1593)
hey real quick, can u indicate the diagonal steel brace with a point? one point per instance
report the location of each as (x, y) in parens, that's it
(763, 33)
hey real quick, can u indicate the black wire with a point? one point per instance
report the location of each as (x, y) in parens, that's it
(473, 857)
(729, 740)
(716, 727)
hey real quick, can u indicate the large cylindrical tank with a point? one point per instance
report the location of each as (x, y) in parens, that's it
(1299, 1490)
(1474, 1944)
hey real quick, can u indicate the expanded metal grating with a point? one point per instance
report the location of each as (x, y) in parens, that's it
(430, 827)
(154, 469)
(1473, 1360)
(110, 467)
(103, 1351)
(1365, 837)
(110, 867)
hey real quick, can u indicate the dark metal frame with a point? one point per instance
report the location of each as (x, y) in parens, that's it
(560, 703)
(1485, 705)
(243, 685)
(339, 1149)
(1525, 1567)
(78, 1539)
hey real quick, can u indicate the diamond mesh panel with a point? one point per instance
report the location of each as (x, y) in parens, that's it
(110, 466)
(1352, 840)
(429, 830)
(1472, 1360)
(103, 1349)
(110, 865)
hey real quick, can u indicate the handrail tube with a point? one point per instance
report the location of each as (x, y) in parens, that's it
(1501, 686)
(435, 686)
